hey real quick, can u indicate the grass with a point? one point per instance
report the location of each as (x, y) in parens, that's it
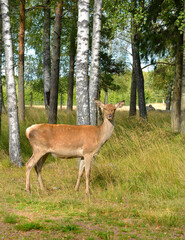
(28, 226)
(137, 186)
(10, 218)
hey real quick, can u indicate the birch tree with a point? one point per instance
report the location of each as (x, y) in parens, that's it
(95, 55)
(52, 117)
(82, 95)
(46, 53)
(21, 103)
(14, 138)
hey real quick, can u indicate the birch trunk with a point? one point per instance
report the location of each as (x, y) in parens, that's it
(176, 102)
(52, 118)
(46, 54)
(182, 127)
(14, 138)
(82, 89)
(1, 90)
(21, 103)
(94, 73)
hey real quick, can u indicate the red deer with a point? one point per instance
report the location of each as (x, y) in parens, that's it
(69, 141)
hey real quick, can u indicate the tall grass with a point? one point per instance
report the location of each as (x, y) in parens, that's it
(138, 176)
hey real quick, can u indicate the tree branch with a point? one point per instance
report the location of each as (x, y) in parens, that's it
(36, 7)
(171, 64)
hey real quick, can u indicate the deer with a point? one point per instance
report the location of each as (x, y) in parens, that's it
(69, 141)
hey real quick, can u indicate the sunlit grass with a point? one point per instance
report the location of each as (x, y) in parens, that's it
(137, 184)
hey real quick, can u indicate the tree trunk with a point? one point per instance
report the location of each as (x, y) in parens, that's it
(71, 69)
(71, 82)
(46, 54)
(3, 105)
(31, 99)
(132, 111)
(133, 89)
(138, 74)
(106, 96)
(21, 103)
(168, 97)
(14, 138)
(82, 89)
(141, 92)
(61, 100)
(1, 90)
(52, 118)
(182, 127)
(94, 73)
(176, 102)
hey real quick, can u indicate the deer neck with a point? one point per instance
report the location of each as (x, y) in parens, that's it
(107, 129)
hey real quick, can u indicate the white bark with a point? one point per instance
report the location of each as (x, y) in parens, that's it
(82, 95)
(14, 138)
(94, 73)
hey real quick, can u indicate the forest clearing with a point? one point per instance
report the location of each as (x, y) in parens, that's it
(60, 63)
(137, 186)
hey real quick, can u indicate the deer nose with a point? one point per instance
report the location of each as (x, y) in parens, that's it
(109, 115)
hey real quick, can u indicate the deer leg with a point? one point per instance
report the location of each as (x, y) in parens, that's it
(29, 165)
(38, 168)
(87, 159)
(80, 173)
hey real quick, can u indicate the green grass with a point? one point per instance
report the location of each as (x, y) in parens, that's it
(137, 186)
(29, 226)
(10, 218)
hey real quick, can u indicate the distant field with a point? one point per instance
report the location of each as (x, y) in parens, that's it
(137, 186)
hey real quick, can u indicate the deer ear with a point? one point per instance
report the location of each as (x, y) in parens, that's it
(99, 103)
(120, 104)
